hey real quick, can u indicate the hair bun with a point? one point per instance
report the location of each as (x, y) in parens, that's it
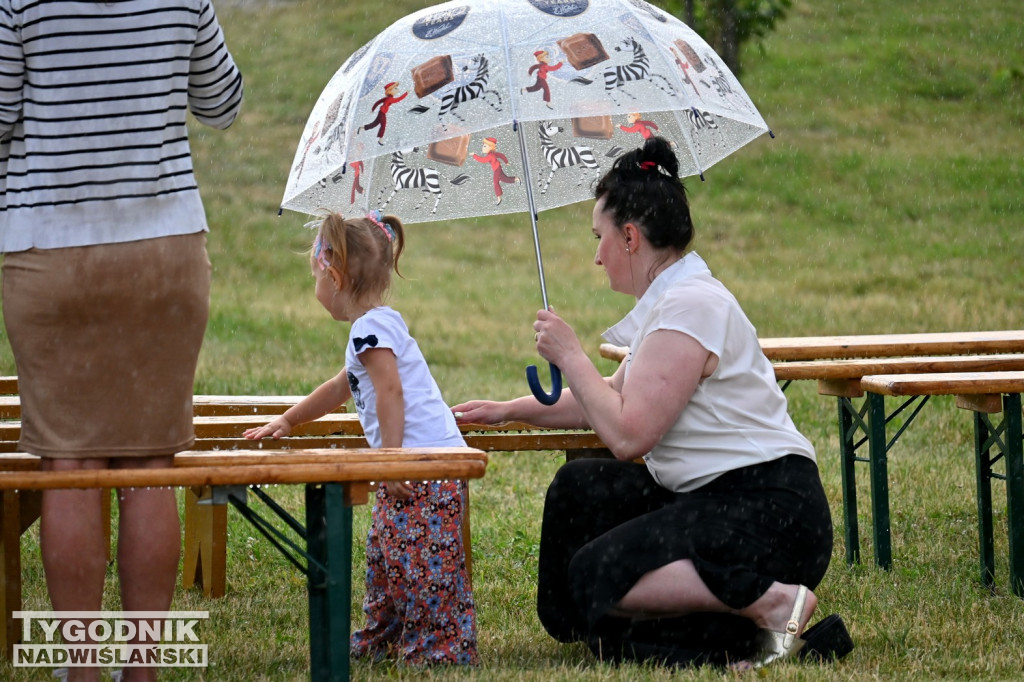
(657, 150)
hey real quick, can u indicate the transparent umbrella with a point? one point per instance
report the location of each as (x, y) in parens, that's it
(479, 107)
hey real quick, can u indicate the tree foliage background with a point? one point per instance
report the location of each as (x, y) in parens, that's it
(728, 25)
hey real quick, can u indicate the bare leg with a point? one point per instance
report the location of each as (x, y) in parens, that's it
(148, 549)
(676, 589)
(72, 541)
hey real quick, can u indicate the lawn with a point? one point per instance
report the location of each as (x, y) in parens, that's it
(891, 200)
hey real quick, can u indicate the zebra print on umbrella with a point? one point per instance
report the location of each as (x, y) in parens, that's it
(476, 89)
(638, 69)
(428, 180)
(563, 157)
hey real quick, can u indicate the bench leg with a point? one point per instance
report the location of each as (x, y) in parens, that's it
(329, 544)
(10, 568)
(205, 543)
(1012, 431)
(18, 511)
(848, 428)
(983, 476)
(878, 448)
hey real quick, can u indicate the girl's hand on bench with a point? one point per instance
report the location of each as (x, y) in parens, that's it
(275, 429)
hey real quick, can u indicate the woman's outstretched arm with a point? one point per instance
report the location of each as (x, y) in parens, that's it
(565, 414)
(629, 416)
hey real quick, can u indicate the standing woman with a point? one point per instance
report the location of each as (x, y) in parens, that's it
(106, 279)
(708, 552)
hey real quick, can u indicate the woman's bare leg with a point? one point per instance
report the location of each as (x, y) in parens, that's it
(73, 545)
(676, 589)
(148, 549)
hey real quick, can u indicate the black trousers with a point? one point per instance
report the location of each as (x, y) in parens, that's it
(607, 523)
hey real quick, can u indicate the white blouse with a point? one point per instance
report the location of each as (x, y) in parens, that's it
(738, 415)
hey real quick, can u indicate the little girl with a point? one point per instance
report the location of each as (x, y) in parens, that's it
(418, 603)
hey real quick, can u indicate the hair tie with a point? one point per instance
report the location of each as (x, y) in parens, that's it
(648, 165)
(377, 218)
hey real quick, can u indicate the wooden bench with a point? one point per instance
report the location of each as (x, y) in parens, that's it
(334, 482)
(219, 423)
(838, 364)
(985, 394)
(205, 540)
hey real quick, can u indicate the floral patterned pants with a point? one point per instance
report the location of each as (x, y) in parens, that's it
(419, 603)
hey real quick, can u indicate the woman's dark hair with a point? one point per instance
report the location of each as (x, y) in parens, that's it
(643, 187)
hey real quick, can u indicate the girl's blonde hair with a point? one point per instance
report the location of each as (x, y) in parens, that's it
(364, 250)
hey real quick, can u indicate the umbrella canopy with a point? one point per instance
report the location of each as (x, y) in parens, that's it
(420, 120)
(477, 107)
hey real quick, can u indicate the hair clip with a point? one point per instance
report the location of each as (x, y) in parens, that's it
(319, 252)
(652, 165)
(377, 218)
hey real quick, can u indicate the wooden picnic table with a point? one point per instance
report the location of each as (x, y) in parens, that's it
(793, 348)
(892, 345)
(334, 480)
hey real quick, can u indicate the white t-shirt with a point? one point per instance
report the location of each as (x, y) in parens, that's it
(428, 420)
(738, 416)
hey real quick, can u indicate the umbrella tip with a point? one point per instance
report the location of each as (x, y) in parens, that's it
(702, 176)
(280, 210)
(771, 134)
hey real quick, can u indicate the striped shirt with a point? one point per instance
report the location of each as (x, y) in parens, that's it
(93, 99)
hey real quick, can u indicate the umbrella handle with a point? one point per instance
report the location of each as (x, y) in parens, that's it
(539, 393)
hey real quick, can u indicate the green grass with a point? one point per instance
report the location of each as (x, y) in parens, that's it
(891, 200)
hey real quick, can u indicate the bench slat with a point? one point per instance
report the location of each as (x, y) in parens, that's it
(857, 368)
(225, 405)
(892, 345)
(202, 405)
(512, 437)
(324, 466)
(316, 453)
(322, 456)
(823, 369)
(235, 426)
(613, 352)
(489, 442)
(957, 383)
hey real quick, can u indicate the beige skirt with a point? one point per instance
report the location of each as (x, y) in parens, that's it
(105, 341)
